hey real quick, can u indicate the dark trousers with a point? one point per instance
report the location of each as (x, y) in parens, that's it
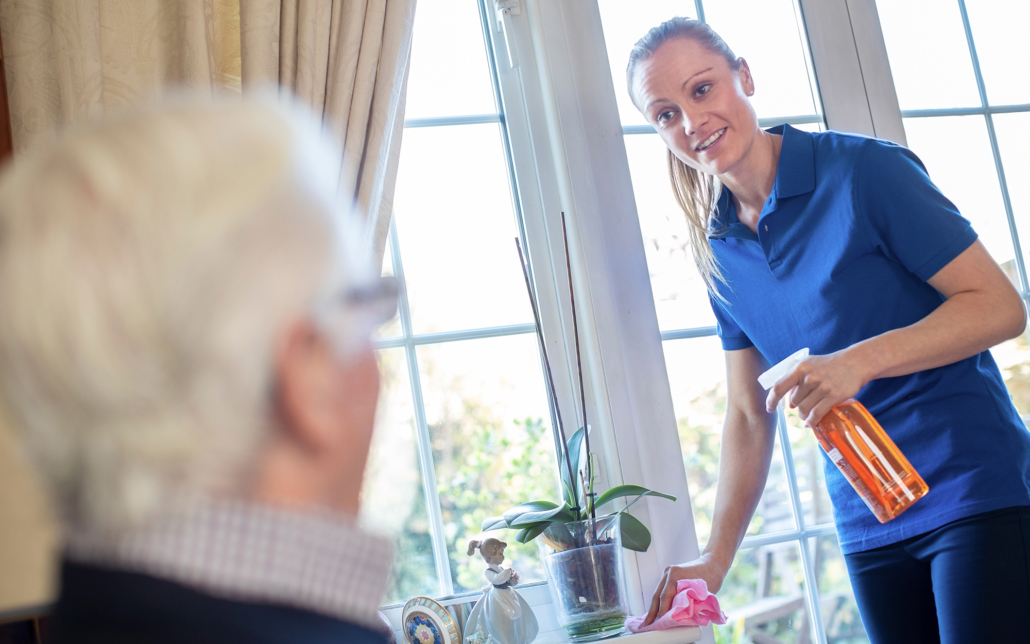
(967, 581)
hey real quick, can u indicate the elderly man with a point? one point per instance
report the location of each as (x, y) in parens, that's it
(184, 343)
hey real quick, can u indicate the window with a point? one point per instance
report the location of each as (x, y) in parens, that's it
(513, 119)
(463, 383)
(965, 102)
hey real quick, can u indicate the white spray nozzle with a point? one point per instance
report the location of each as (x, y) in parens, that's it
(784, 367)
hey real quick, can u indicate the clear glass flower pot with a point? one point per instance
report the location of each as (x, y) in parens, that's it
(584, 572)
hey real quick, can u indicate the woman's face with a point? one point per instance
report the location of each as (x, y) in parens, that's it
(698, 104)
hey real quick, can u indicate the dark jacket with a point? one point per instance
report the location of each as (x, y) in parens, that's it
(99, 605)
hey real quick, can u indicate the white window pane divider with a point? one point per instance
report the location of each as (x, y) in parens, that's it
(807, 565)
(424, 443)
(772, 538)
(684, 334)
(453, 336)
(1020, 265)
(966, 111)
(437, 121)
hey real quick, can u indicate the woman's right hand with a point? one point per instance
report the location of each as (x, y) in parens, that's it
(704, 567)
(747, 445)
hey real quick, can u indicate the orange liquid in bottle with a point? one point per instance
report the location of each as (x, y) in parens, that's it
(870, 460)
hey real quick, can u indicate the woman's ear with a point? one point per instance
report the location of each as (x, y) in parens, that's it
(746, 80)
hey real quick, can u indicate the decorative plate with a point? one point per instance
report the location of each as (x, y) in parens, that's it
(425, 621)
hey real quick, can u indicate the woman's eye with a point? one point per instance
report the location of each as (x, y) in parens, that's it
(703, 89)
(664, 117)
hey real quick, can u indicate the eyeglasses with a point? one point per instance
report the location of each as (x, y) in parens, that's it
(378, 297)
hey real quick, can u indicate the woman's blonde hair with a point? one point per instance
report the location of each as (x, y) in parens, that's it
(696, 193)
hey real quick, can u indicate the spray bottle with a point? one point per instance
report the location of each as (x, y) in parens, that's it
(862, 451)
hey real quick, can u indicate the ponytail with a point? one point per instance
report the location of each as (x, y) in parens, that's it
(697, 194)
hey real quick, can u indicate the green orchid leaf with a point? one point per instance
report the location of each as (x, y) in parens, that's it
(494, 523)
(620, 491)
(558, 534)
(635, 535)
(532, 532)
(567, 492)
(575, 449)
(532, 506)
(562, 513)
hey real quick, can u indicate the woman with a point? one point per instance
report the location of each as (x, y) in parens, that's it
(841, 243)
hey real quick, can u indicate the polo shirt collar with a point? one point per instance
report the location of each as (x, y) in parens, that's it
(795, 175)
(795, 171)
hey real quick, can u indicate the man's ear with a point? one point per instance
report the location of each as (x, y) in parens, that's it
(305, 396)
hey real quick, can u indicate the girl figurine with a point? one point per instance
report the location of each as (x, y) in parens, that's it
(501, 616)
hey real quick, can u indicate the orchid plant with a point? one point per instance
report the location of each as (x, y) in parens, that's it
(546, 519)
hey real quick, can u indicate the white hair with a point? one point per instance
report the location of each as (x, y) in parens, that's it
(146, 268)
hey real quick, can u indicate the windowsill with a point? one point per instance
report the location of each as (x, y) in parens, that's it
(681, 635)
(538, 597)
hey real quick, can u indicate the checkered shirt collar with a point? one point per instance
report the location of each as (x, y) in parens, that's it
(244, 551)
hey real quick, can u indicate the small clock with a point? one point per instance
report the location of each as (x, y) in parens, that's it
(425, 621)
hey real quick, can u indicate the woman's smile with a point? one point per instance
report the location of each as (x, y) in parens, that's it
(707, 144)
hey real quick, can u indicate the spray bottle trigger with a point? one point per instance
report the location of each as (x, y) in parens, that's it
(782, 368)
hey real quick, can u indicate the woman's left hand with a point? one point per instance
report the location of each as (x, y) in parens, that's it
(819, 383)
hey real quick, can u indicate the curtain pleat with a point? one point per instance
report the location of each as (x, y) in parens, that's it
(348, 60)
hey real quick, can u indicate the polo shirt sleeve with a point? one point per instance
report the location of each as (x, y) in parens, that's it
(904, 212)
(732, 336)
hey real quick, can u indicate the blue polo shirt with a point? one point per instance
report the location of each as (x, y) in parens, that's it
(846, 241)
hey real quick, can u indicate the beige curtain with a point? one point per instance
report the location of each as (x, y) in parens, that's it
(348, 59)
(72, 60)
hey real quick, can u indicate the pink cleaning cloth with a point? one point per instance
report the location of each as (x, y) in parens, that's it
(693, 605)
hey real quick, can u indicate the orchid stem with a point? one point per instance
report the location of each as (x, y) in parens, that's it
(579, 360)
(550, 378)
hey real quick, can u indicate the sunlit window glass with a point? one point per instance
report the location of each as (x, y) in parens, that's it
(463, 398)
(964, 93)
(929, 59)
